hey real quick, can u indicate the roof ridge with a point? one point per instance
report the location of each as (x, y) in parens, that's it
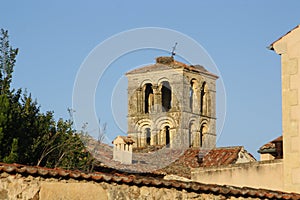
(271, 46)
(229, 147)
(147, 181)
(165, 63)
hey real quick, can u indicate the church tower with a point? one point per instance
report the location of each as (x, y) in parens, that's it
(172, 104)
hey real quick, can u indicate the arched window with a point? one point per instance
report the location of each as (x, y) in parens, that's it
(148, 136)
(203, 131)
(193, 135)
(167, 131)
(191, 95)
(166, 96)
(194, 96)
(204, 99)
(190, 135)
(149, 99)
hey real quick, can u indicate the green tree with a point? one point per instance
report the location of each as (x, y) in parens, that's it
(13, 155)
(27, 135)
(7, 62)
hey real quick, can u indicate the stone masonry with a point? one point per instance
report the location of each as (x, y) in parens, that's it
(288, 48)
(15, 186)
(172, 104)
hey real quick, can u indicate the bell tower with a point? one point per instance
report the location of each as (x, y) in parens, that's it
(172, 104)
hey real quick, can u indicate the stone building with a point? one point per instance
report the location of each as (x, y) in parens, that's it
(288, 47)
(172, 104)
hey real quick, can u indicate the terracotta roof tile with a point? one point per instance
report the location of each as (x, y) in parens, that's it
(145, 180)
(267, 146)
(279, 139)
(270, 145)
(221, 156)
(190, 159)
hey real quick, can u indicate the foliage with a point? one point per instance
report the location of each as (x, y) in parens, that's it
(27, 135)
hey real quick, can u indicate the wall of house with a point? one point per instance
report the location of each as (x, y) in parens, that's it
(266, 156)
(266, 174)
(35, 188)
(289, 48)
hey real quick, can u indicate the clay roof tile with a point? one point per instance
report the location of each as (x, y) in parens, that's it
(145, 180)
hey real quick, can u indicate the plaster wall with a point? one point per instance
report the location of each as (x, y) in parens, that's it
(266, 174)
(289, 48)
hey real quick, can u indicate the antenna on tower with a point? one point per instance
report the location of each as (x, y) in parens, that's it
(173, 50)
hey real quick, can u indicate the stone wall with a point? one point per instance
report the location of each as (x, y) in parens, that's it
(16, 186)
(288, 47)
(190, 93)
(264, 174)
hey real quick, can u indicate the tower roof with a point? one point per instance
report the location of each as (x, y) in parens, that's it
(166, 63)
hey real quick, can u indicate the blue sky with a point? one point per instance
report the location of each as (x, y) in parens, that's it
(55, 37)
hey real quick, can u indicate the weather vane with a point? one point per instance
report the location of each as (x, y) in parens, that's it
(173, 51)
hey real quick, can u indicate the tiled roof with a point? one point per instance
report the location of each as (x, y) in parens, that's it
(182, 166)
(125, 139)
(170, 64)
(279, 139)
(146, 181)
(221, 156)
(270, 145)
(214, 157)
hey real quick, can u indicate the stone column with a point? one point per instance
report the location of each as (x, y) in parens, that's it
(163, 137)
(143, 139)
(173, 138)
(196, 138)
(139, 98)
(157, 98)
(154, 137)
(196, 100)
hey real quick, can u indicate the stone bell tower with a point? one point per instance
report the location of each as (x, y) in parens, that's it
(172, 104)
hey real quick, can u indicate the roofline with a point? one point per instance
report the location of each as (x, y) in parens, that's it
(145, 181)
(183, 69)
(229, 147)
(269, 150)
(206, 73)
(132, 72)
(271, 46)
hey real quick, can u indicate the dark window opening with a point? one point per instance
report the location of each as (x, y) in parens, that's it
(166, 96)
(167, 129)
(190, 135)
(203, 98)
(148, 136)
(148, 97)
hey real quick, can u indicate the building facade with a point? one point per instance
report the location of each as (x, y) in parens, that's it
(288, 48)
(172, 104)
